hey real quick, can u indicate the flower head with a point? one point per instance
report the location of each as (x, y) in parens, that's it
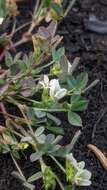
(48, 177)
(76, 174)
(55, 90)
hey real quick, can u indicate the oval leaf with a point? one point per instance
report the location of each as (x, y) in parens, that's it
(34, 177)
(35, 156)
(74, 119)
(39, 131)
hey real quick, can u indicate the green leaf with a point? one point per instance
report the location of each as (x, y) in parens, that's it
(61, 152)
(74, 119)
(71, 82)
(39, 131)
(46, 3)
(77, 84)
(64, 64)
(35, 156)
(57, 139)
(34, 177)
(39, 114)
(41, 139)
(94, 83)
(54, 119)
(56, 54)
(49, 138)
(81, 81)
(18, 176)
(58, 9)
(56, 130)
(70, 146)
(29, 186)
(78, 103)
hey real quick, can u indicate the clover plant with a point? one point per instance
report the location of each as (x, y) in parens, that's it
(40, 85)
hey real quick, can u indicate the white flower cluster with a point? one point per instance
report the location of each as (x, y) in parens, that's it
(82, 176)
(55, 90)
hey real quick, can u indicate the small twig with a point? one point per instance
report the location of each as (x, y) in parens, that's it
(101, 157)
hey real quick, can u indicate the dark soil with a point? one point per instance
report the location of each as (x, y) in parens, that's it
(92, 49)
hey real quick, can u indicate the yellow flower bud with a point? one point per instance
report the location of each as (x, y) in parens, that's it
(23, 146)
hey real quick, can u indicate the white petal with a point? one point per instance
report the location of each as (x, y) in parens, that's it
(73, 161)
(52, 91)
(82, 178)
(46, 79)
(84, 174)
(61, 93)
(81, 182)
(54, 87)
(81, 165)
(1, 20)
(55, 83)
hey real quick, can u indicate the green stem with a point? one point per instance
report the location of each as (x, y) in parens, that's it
(21, 110)
(18, 168)
(25, 117)
(60, 166)
(69, 7)
(59, 182)
(51, 110)
(47, 65)
(35, 17)
(16, 133)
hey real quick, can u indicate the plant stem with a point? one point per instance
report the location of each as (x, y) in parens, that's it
(60, 166)
(36, 6)
(21, 27)
(59, 182)
(25, 117)
(75, 139)
(51, 110)
(18, 168)
(69, 7)
(35, 17)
